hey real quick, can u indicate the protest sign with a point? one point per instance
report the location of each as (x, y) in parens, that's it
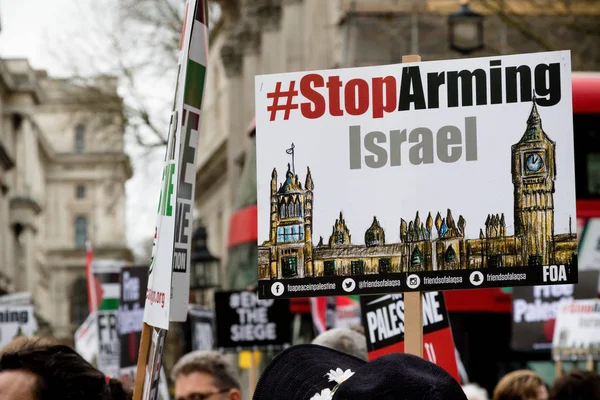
(86, 340)
(134, 281)
(108, 339)
(535, 308)
(16, 320)
(335, 312)
(169, 267)
(487, 194)
(245, 322)
(577, 333)
(201, 321)
(383, 319)
(153, 365)
(16, 299)
(589, 248)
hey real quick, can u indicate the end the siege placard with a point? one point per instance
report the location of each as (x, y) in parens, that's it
(438, 175)
(245, 322)
(383, 319)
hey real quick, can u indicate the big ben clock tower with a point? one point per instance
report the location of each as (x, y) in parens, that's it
(533, 173)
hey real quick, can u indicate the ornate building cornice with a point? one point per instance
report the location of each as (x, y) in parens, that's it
(269, 14)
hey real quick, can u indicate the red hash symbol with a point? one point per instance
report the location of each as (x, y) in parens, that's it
(289, 104)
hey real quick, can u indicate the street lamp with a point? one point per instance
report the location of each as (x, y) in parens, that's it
(465, 29)
(205, 271)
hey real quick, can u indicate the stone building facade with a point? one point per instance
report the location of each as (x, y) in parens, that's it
(289, 252)
(62, 177)
(272, 36)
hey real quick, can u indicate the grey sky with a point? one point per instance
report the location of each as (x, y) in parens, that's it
(41, 31)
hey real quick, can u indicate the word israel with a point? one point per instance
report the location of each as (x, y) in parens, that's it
(387, 94)
(383, 149)
(386, 322)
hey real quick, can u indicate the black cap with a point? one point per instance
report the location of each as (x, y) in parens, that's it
(303, 371)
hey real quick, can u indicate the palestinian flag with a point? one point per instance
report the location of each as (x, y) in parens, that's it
(107, 274)
(197, 58)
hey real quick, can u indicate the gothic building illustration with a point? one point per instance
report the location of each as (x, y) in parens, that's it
(435, 243)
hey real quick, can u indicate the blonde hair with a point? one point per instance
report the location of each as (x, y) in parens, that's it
(22, 342)
(518, 385)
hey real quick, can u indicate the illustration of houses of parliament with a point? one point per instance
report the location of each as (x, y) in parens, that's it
(290, 253)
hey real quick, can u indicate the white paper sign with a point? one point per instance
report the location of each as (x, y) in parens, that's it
(16, 321)
(577, 331)
(454, 174)
(589, 253)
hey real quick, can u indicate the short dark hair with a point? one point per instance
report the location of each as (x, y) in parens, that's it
(62, 373)
(577, 384)
(209, 362)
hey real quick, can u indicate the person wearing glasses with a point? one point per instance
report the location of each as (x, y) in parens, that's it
(205, 375)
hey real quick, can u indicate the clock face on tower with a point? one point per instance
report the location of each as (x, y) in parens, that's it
(534, 162)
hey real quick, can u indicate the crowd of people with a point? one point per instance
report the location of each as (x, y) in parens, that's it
(333, 367)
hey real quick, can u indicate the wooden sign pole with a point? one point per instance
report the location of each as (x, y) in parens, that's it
(252, 373)
(413, 301)
(590, 364)
(140, 375)
(557, 369)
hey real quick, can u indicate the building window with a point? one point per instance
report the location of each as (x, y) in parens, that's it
(289, 266)
(357, 267)
(385, 265)
(495, 261)
(80, 191)
(290, 233)
(80, 232)
(79, 138)
(329, 268)
(535, 261)
(79, 302)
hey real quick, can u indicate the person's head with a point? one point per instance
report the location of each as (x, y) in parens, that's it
(475, 392)
(42, 372)
(309, 371)
(205, 375)
(577, 384)
(345, 340)
(521, 385)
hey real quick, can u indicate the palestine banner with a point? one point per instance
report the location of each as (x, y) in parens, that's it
(383, 319)
(535, 309)
(134, 281)
(246, 323)
(479, 152)
(167, 296)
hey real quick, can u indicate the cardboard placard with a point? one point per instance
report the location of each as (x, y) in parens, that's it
(535, 309)
(169, 275)
(245, 322)
(383, 319)
(482, 168)
(577, 333)
(589, 247)
(202, 322)
(16, 320)
(134, 281)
